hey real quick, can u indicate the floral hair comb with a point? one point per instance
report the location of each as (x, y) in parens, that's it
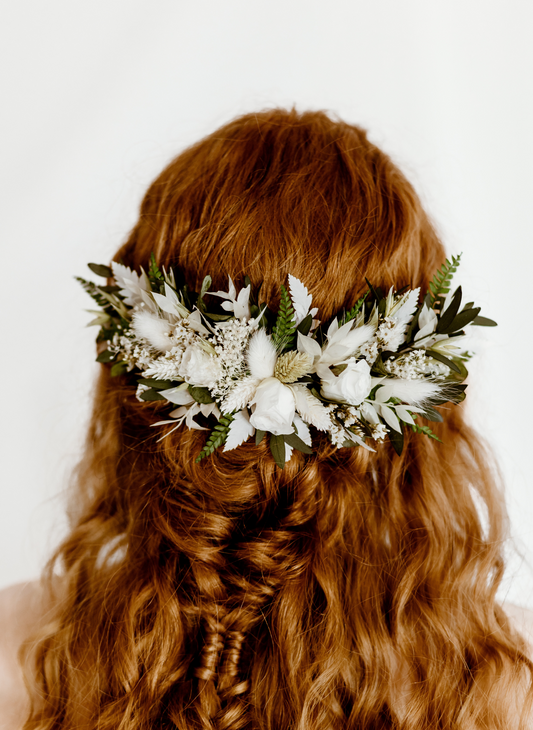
(365, 375)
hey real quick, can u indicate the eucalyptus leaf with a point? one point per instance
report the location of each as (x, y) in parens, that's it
(443, 359)
(106, 356)
(463, 318)
(200, 395)
(151, 395)
(396, 439)
(101, 270)
(218, 317)
(297, 443)
(119, 368)
(305, 324)
(484, 322)
(449, 314)
(157, 384)
(277, 447)
(206, 283)
(259, 435)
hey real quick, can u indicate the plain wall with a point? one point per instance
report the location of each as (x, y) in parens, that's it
(96, 97)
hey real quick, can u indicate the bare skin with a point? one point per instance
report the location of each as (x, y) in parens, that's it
(24, 608)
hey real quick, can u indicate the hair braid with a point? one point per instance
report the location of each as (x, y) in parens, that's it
(271, 559)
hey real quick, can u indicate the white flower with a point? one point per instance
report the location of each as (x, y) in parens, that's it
(342, 342)
(239, 305)
(352, 386)
(379, 432)
(199, 368)
(170, 303)
(273, 407)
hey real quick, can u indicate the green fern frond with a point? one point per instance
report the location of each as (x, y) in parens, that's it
(425, 430)
(440, 286)
(218, 436)
(285, 327)
(354, 311)
(154, 272)
(93, 291)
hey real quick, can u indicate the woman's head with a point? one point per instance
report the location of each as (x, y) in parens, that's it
(282, 192)
(230, 593)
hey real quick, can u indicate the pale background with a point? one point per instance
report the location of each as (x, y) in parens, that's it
(97, 96)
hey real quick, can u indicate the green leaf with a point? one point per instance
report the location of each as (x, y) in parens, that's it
(200, 395)
(425, 430)
(376, 291)
(443, 359)
(93, 291)
(396, 439)
(447, 318)
(277, 447)
(151, 395)
(296, 442)
(157, 384)
(285, 327)
(218, 436)
(101, 270)
(259, 435)
(206, 283)
(106, 356)
(412, 326)
(463, 318)
(484, 322)
(218, 317)
(119, 368)
(354, 311)
(440, 285)
(154, 272)
(305, 325)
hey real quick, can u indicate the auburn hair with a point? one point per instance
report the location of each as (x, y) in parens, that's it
(231, 594)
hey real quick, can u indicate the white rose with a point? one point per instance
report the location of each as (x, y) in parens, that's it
(273, 407)
(199, 368)
(352, 386)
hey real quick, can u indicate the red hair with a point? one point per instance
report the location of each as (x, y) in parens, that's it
(230, 594)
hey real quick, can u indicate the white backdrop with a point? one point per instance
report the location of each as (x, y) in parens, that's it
(97, 96)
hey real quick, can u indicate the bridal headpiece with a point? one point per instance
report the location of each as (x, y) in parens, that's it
(363, 376)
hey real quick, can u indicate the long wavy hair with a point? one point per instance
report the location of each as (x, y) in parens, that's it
(350, 590)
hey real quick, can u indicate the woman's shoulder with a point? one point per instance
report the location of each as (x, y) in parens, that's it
(24, 607)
